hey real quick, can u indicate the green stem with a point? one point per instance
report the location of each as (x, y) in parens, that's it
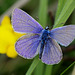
(32, 67)
(67, 68)
(43, 12)
(48, 70)
(61, 4)
(39, 69)
(42, 20)
(65, 13)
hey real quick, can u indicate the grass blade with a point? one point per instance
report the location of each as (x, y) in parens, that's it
(61, 4)
(32, 67)
(39, 69)
(48, 70)
(42, 20)
(67, 68)
(43, 12)
(65, 13)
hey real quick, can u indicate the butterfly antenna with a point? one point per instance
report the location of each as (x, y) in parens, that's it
(61, 23)
(37, 18)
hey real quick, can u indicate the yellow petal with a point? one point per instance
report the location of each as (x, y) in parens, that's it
(7, 36)
(18, 35)
(3, 47)
(11, 52)
(6, 23)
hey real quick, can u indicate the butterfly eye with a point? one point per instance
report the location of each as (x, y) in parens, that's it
(47, 28)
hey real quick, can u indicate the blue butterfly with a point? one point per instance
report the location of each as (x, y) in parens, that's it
(38, 40)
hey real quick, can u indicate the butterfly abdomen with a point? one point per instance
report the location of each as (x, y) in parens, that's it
(41, 49)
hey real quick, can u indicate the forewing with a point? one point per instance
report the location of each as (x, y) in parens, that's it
(22, 22)
(27, 45)
(63, 35)
(52, 53)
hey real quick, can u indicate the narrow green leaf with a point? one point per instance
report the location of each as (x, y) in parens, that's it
(57, 67)
(48, 70)
(65, 13)
(39, 69)
(43, 12)
(67, 68)
(32, 67)
(42, 20)
(61, 4)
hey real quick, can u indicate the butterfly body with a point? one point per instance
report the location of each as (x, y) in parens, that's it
(38, 40)
(44, 37)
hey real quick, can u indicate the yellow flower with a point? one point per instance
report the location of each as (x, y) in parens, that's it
(8, 38)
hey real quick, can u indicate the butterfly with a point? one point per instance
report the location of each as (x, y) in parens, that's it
(38, 40)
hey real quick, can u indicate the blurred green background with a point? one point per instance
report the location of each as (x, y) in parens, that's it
(19, 65)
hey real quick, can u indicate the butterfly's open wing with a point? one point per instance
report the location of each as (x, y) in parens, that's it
(22, 22)
(63, 35)
(52, 53)
(27, 45)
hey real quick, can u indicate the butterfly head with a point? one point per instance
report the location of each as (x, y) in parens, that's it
(47, 28)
